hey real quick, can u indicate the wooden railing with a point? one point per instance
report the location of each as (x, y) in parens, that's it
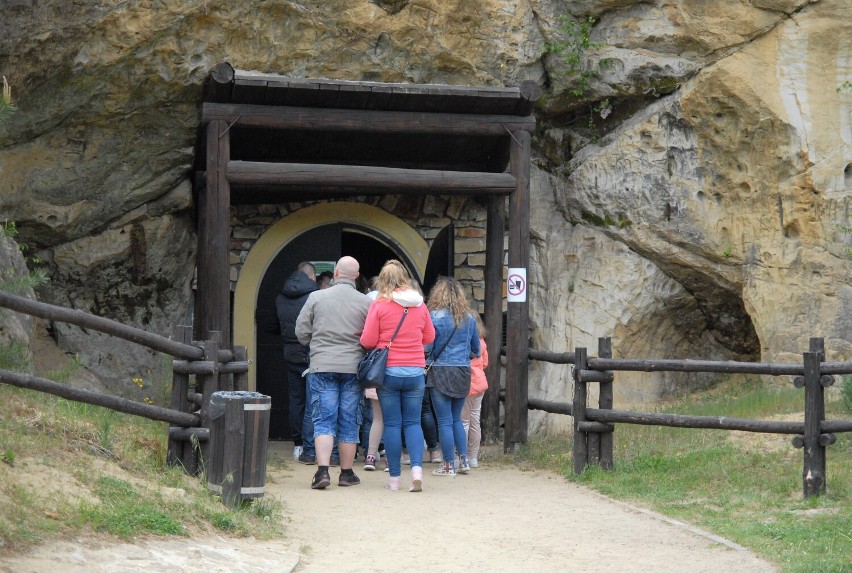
(593, 427)
(213, 369)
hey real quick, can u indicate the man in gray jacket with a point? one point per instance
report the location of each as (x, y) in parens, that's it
(331, 323)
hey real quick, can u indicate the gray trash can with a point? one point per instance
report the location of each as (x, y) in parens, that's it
(239, 431)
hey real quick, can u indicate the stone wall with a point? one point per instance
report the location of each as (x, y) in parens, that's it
(427, 215)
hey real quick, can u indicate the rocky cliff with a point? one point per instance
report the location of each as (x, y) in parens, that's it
(692, 168)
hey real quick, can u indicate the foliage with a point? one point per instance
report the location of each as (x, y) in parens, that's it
(7, 106)
(12, 281)
(846, 393)
(573, 49)
(746, 487)
(845, 87)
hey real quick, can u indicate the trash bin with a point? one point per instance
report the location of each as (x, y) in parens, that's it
(239, 430)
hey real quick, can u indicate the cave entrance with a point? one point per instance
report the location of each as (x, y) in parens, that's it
(267, 139)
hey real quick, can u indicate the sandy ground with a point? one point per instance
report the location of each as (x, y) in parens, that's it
(495, 519)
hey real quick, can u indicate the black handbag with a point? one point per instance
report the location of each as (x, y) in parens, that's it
(371, 368)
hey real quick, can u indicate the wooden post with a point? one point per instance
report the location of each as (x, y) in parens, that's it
(813, 468)
(241, 380)
(493, 316)
(180, 401)
(213, 298)
(581, 457)
(209, 385)
(605, 403)
(517, 337)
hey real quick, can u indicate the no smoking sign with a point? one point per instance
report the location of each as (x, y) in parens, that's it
(516, 285)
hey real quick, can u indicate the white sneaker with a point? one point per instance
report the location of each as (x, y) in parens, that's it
(474, 463)
(297, 451)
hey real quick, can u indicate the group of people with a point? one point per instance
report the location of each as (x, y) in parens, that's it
(435, 350)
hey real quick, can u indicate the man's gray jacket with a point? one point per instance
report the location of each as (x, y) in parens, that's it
(331, 322)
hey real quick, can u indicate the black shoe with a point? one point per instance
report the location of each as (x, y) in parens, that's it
(348, 479)
(307, 459)
(321, 480)
(335, 461)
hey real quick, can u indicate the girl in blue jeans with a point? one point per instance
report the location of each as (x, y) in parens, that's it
(399, 309)
(448, 380)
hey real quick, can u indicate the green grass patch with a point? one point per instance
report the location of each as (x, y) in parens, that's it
(747, 488)
(112, 469)
(125, 513)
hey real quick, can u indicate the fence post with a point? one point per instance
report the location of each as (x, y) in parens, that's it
(605, 401)
(209, 385)
(581, 451)
(240, 380)
(180, 401)
(813, 469)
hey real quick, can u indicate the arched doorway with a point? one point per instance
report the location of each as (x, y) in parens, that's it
(321, 232)
(322, 244)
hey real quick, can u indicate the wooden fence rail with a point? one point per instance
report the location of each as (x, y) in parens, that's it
(213, 368)
(593, 427)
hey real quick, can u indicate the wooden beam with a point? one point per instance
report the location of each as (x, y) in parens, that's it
(493, 314)
(321, 119)
(105, 400)
(517, 337)
(213, 301)
(367, 177)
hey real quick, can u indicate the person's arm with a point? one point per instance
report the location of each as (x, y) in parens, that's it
(428, 331)
(483, 353)
(370, 334)
(305, 321)
(474, 337)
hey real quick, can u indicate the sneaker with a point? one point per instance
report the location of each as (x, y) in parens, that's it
(335, 461)
(446, 470)
(370, 463)
(297, 451)
(307, 459)
(321, 480)
(435, 457)
(347, 479)
(387, 469)
(474, 463)
(416, 479)
(464, 466)
(406, 460)
(393, 483)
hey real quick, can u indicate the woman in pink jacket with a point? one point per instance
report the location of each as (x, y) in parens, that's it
(401, 395)
(472, 410)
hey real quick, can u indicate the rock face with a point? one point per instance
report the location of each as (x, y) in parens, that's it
(691, 196)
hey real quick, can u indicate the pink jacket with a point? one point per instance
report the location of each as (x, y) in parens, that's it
(416, 331)
(478, 382)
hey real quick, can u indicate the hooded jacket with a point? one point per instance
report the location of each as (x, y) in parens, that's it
(415, 333)
(331, 323)
(290, 301)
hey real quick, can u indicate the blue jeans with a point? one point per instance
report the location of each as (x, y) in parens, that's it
(401, 399)
(335, 405)
(450, 427)
(309, 449)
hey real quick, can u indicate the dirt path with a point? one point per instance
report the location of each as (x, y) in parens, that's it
(495, 519)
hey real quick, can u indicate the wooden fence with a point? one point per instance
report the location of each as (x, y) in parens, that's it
(593, 427)
(199, 370)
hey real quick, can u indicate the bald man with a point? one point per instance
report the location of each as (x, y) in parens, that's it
(331, 323)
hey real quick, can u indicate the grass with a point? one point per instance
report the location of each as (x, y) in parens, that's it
(68, 468)
(745, 487)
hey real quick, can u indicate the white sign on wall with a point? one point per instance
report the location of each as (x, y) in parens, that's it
(516, 285)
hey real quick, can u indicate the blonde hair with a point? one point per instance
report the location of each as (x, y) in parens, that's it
(448, 293)
(392, 276)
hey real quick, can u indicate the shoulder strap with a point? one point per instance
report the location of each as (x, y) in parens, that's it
(398, 326)
(447, 341)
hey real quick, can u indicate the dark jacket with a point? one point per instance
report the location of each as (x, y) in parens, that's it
(288, 304)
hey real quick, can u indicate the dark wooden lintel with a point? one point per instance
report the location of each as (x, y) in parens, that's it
(358, 177)
(305, 118)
